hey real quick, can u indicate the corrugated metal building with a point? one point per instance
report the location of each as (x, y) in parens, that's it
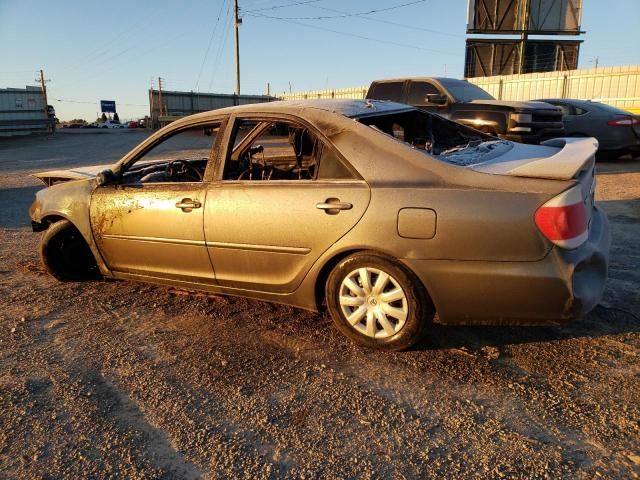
(23, 111)
(179, 104)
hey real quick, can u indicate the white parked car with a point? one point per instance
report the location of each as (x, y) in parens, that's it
(110, 124)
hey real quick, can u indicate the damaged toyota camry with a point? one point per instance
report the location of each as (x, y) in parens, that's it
(390, 217)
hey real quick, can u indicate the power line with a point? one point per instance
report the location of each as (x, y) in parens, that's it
(123, 33)
(389, 22)
(206, 54)
(354, 35)
(142, 54)
(225, 32)
(284, 5)
(345, 14)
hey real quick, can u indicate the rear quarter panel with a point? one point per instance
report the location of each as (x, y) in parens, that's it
(471, 224)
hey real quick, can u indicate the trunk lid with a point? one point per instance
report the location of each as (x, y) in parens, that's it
(556, 159)
(566, 159)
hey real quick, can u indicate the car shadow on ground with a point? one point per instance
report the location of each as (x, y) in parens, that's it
(624, 164)
(602, 321)
(14, 206)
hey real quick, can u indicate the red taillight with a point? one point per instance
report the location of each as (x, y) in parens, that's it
(563, 219)
(624, 122)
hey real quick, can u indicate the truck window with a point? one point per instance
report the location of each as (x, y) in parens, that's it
(389, 91)
(464, 91)
(418, 92)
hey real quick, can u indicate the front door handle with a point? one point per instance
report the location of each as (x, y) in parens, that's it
(332, 206)
(186, 204)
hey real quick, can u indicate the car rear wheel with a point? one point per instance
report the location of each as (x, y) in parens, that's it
(66, 255)
(377, 303)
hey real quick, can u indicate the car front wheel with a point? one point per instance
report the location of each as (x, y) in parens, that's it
(377, 302)
(66, 255)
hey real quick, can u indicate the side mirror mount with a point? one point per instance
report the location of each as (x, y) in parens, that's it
(106, 177)
(436, 98)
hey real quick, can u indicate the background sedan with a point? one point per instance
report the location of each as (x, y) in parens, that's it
(617, 131)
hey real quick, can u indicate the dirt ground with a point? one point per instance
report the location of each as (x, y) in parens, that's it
(115, 379)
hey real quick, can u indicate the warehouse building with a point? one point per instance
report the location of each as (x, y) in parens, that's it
(23, 111)
(167, 106)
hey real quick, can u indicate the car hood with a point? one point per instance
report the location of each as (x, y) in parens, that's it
(516, 105)
(52, 177)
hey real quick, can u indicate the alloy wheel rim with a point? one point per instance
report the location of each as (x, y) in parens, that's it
(373, 302)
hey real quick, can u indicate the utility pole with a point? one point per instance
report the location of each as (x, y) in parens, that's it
(236, 23)
(150, 102)
(43, 87)
(160, 96)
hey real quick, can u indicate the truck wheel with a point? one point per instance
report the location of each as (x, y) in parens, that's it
(377, 303)
(66, 255)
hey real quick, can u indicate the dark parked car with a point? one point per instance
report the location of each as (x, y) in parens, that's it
(617, 131)
(380, 211)
(466, 103)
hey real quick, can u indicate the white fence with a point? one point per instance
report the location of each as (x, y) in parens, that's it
(351, 92)
(617, 86)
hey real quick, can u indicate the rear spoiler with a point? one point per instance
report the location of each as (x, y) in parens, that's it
(575, 155)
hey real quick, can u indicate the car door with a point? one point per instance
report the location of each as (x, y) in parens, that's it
(154, 226)
(265, 232)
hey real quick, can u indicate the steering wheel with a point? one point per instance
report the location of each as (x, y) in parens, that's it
(182, 169)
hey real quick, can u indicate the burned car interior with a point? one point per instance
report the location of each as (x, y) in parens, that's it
(262, 151)
(425, 131)
(273, 151)
(182, 157)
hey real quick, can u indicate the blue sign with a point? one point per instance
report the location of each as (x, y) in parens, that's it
(108, 106)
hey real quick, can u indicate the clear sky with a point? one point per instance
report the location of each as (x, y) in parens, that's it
(112, 49)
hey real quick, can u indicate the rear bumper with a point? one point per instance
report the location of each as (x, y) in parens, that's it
(619, 139)
(565, 285)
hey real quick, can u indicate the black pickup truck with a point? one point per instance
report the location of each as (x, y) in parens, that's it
(466, 103)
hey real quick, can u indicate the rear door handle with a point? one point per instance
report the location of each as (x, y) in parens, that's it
(332, 206)
(186, 204)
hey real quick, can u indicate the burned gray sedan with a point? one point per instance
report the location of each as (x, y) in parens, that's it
(389, 217)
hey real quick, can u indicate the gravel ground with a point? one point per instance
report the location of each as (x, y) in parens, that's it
(115, 379)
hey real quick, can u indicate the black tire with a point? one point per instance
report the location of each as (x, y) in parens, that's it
(416, 303)
(608, 155)
(66, 255)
